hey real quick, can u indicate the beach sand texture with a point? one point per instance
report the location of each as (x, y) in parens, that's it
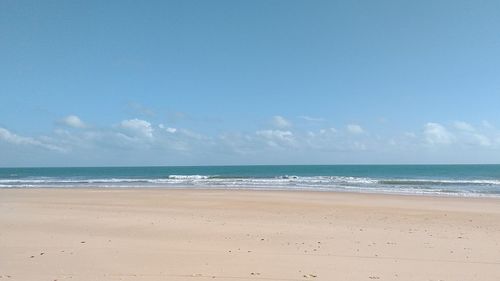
(91, 234)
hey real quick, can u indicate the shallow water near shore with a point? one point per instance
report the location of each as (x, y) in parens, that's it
(455, 180)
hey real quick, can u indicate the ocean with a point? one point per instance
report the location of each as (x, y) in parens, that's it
(455, 180)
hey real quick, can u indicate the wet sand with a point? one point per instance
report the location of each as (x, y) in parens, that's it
(91, 234)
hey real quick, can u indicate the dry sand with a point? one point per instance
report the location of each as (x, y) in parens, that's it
(90, 234)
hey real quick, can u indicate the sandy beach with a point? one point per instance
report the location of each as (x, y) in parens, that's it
(91, 234)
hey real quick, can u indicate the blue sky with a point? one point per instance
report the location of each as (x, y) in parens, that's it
(249, 82)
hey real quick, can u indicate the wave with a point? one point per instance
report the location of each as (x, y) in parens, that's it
(286, 178)
(188, 177)
(282, 179)
(59, 180)
(439, 182)
(465, 187)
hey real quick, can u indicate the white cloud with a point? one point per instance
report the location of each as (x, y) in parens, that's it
(136, 138)
(12, 138)
(482, 140)
(137, 127)
(467, 134)
(463, 126)
(7, 136)
(241, 144)
(275, 134)
(358, 146)
(168, 129)
(192, 135)
(437, 134)
(329, 130)
(277, 137)
(311, 119)
(73, 121)
(281, 122)
(355, 129)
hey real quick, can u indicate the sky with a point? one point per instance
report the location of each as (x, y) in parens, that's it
(119, 83)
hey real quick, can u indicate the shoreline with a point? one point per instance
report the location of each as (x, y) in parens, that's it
(269, 189)
(207, 234)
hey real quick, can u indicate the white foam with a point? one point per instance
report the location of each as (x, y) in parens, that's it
(440, 181)
(187, 177)
(325, 183)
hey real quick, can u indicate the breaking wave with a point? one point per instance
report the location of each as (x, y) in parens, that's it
(471, 187)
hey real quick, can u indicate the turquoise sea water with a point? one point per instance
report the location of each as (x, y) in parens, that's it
(459, 180)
